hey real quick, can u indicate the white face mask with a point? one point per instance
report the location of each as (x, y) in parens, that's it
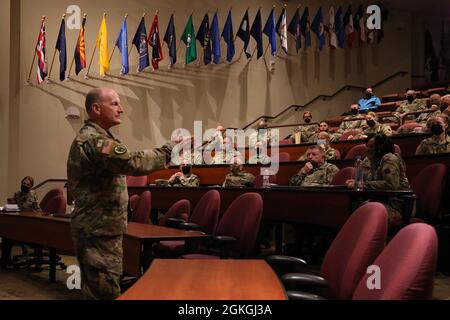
(322, 143)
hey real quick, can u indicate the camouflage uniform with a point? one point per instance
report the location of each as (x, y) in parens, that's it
(223, 157)
(423, 117)
(189, 180)
(307, 132)
(321, 176)
(96, 169)
(387, 174)
(433, 145)
(27, 201)
(377, 129)
(351, 125)
(330, 154)
(194, 158)
(259, 155)
(333, 137)
(240, 179)
(405, 107)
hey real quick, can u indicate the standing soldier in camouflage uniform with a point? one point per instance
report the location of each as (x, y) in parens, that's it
(439, 142)
(184, 178)
(237, 177)
(435, 106)
(306, 131)
(96, 169)
(410, 105)
(316, 172)
(351, 125)
(324, 143)
(384, 170)
(26, 198)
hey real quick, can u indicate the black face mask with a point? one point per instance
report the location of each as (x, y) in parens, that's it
(443, 107)
(436, 129)
(25, 189)
(368, 95)
(410, 99)
(307, 120)
(354, 111)
(185, 169)
(371, 123)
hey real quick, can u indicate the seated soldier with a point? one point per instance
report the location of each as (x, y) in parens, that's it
(351, 125)
(237, 177)
(439, 142)
(384, 170)
(323, 142)
(435, 104)
(324, 127)
(374, 127)
(445, 104)
(410, 105)
(369, 103)
(184, 178)
(26, 198)
(225, 152)
(306, 132)
(217, 139)
(316, 172)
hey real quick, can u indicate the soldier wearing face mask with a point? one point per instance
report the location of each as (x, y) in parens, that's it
(26, 198)
(184, 178)
(445, 104)
(323, 141)
(412, 104)
(374, 127)
(306, 131)
(351, 125)
(237, 177)
(439, 142)
(259, 142)
(369, 102)
(435, 105)
(225, 152)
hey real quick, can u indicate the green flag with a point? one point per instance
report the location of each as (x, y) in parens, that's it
(188, 38)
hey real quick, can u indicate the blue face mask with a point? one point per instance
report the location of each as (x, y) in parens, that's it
(322, 143)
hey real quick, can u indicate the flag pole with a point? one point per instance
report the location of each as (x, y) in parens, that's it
(53, 59)
(112, 53)
(34, 57)
(73, 59)
(86, 76)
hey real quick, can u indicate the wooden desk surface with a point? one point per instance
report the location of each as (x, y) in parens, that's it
(179, 279)
(151, 232)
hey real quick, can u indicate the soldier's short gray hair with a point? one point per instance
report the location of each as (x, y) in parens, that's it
(93, 96)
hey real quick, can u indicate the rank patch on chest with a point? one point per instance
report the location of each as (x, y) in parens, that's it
(119, 150)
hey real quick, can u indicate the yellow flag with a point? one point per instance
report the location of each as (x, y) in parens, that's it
(102, 45)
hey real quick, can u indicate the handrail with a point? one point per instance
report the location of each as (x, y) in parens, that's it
(346, 87)
(47, 181)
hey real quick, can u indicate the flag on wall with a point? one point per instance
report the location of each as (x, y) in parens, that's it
(204, 38)
(141, 44)
(256, 33)
(281, 29)
(228, 37)
(61, 47)
(188, 37)
(270, 32)
(41, 55)
(305, 28)
(80, 50)
(244, 33)
(348, 26)
(331, 29)
(359, 24)
(340, 31)
(170, 39)
(102, 45)
(294, 29)
(215, 39)
(122, 44)
(154, 41)
(318, 28)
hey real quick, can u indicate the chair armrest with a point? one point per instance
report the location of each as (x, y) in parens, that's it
(304, 279)
(275, 260)
(299, 295)
(189, 226)
(223, 243)
(174, 222)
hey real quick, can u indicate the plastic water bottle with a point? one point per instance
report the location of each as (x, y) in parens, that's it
(266, 181)
(359, 174)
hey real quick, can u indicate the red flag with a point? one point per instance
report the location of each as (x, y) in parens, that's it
(155, 42)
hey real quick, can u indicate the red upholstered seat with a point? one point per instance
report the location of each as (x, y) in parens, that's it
(284, 157)
(258, 182)
(343, 175)
(358, 150)
(134, 201)
(52, 193)
(179, 210)
(407, 266)
(55, 205)
(285, 142)
(408, 127)
(241, 221)
(142, 212)
(349, 133)
(136, 181)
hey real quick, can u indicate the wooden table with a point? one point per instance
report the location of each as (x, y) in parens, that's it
(179, 279)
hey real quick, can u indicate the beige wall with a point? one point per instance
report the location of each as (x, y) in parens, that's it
(156, 103)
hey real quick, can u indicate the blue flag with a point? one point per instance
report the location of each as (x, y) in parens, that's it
(61, 47)
(294, 29)
(256, 33)
(122, 44)
(244, 33)
(228, 37)
(318, 28)
(305, 28)
(140, 41)
(215, 39)
(270, 32)
(204, 37)
(170, 39)
(340, 29)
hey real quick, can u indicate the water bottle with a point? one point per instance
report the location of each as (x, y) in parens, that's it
(359, 174)
(71, 207)
(266, 181)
